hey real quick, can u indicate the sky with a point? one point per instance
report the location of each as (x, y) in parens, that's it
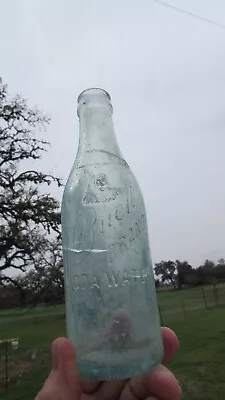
(165, 72)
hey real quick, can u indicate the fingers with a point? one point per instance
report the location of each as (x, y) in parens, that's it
(111, 390)
(152, 398)
(64, 359)
(160, 383)
(55, 354)
(163, 384)
(63, 355)
(63, 381)
(171, 344)
(90, 386)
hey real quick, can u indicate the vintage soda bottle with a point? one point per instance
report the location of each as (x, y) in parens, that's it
(111, 305)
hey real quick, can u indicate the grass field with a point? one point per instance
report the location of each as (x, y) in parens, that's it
(199, 365)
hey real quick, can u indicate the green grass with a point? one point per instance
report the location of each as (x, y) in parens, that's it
(34, 333)
(170, 302)
(199, 364)
(40, 310)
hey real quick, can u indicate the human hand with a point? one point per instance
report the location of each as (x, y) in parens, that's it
(64, 382)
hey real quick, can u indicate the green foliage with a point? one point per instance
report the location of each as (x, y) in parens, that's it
(166, 270)
(181, 274)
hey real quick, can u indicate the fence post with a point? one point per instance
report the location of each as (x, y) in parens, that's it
(183, 307)
(160, 316)
(6, 365)
(204, 298)
(215, 292)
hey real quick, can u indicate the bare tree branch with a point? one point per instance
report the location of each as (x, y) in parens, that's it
(29, 215)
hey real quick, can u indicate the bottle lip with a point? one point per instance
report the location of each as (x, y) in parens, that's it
(93, 91)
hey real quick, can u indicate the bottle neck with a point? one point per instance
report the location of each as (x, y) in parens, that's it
(97, 134)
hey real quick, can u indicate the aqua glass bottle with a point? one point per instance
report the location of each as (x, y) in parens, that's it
(111, 304)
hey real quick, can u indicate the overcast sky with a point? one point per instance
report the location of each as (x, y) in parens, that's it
(165, 72)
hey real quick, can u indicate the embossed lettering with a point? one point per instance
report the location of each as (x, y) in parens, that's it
(144, 275)
(123, 246)
(106, 223)
(120, 212)
(112, 252)
(125, 242)
(130, 199)
(136, 275)
(119, 247)
(96, 282)
(131, 236)
(76, 282)
(126, 279)
(102, 226)
(84, 283)
(136, 230)
(113, 278)
(110, 220)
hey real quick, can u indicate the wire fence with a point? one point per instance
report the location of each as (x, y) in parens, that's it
(182, 304)
(16, 360)
(6, 360)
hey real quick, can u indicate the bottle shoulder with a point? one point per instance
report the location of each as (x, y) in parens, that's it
(101, 187)
(102, 177)
(103, 208)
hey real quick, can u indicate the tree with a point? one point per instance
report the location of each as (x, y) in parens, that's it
(220, 270)
(45, 284)
(166, 270)
(157, 283)
(206, 272)
(28, 286)
(28, 213)
(185, 273)
(209, 265)
(51, 269)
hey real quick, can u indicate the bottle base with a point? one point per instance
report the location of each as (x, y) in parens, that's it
(117, 372)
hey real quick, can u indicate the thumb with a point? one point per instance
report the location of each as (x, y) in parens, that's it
(63, 381)
(64, 363)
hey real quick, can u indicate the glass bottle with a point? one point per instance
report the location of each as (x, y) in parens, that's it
(111, 306)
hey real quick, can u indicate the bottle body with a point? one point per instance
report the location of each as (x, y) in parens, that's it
(111, 305)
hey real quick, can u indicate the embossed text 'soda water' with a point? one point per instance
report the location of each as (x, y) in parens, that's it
(111, 306)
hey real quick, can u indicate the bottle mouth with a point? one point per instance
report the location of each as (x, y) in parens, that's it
(93, 92)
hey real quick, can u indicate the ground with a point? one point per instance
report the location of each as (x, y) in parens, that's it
(198, 319)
